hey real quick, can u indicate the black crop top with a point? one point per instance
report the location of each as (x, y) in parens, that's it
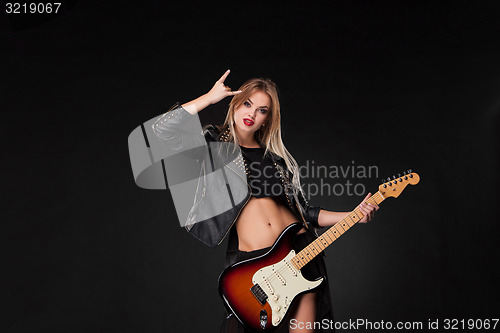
(263, 177)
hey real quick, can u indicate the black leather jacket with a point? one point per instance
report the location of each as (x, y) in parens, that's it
(213, 230)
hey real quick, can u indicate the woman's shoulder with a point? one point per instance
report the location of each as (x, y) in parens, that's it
(275, 158)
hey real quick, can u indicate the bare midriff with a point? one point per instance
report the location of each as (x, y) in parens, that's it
(261, 222)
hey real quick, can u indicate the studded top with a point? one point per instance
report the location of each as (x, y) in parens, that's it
(263, 177)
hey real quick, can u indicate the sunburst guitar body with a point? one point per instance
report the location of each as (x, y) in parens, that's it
(260, 291)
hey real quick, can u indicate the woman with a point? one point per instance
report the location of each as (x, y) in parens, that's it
(275, 199)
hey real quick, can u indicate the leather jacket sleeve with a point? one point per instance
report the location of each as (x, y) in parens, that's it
(178, 129)
(311, 213)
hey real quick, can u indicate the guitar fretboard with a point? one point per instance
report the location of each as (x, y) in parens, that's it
(328, 237)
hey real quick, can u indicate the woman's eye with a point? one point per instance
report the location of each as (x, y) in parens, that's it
(246, 104)
(263, 110)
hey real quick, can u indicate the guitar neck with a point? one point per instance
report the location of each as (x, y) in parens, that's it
(329, 236)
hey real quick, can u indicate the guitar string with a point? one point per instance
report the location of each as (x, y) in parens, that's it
(272, 278)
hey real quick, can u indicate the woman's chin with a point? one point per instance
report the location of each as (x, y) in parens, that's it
(246, 129)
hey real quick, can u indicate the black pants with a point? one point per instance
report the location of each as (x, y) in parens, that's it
(314, 269)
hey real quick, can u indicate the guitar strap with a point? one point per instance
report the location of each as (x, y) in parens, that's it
(232, 248)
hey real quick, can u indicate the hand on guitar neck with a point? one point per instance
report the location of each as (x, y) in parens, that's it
(367, 208)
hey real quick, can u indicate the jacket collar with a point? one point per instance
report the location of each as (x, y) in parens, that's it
(213, 133)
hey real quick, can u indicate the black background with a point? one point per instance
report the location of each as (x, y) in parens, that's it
(394, 84)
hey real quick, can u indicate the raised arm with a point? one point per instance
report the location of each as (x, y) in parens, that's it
(169, 126)
(218, 92)
(170, 138)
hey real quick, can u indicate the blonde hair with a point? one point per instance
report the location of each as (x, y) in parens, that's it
(268, 135)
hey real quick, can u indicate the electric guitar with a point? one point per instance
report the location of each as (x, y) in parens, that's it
(261, 291)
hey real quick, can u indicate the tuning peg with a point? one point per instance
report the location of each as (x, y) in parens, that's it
(409, 170)
(404, 173)
(383, 181)
(399, 175)
(393, 177)
(388, 179)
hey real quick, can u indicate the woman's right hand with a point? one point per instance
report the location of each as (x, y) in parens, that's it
(220, 91)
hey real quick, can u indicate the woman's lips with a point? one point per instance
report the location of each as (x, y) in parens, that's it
(248, 122)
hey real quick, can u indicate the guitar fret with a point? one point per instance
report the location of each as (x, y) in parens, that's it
(354, 216)
(322, 242)
(332, 234)
(314, 250)
(339, 232)
(303, 260)
(295, 263)
(344, 222)
(331, 240)
(348, 218)
(297, 260)
(308, 252)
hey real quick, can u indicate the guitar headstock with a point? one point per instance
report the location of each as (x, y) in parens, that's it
(393, 187)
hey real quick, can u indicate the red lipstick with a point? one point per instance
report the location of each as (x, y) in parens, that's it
(248, 122)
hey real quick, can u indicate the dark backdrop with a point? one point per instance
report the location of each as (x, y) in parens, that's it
(393, 84)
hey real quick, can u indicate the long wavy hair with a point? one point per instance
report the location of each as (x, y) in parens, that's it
(268, 136)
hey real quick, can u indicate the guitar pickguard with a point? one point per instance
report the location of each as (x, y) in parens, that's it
(282, 282)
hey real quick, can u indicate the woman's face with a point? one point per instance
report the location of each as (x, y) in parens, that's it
(253, 112)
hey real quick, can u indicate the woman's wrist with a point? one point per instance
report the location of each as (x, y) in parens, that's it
(198, 104)
(327, 218)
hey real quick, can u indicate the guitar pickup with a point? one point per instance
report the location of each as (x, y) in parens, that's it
(259, 294)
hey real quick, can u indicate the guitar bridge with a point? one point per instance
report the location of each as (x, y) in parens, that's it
(259, 294)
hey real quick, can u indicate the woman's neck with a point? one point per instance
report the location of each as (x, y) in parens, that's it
(246, 139)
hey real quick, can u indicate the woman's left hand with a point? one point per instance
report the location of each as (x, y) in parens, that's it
(367, 209)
